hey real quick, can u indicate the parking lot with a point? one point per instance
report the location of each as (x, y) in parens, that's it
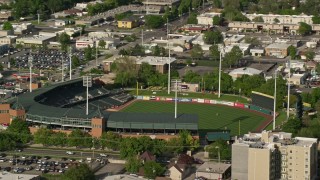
(45, 164)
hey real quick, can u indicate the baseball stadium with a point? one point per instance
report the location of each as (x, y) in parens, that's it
(62, 106)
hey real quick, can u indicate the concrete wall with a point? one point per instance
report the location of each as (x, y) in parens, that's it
(259, 164)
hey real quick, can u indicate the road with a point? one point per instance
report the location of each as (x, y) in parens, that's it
(60, 153)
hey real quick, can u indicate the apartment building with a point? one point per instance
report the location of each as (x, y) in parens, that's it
(274, 155)
(281, 19)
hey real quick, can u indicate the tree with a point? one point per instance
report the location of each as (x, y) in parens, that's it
(252, 40)
(88, 53)
(21, 130)
(42, 136)
(153, 21)
(1, 67)
(304, 29)
(191, 77)
(7, 26)
(80, 172)
(258, 19)
(79, 138)
(219, 146)
(126, 71)
(317, 107)
(7, 141)
(153, 169)
(292, 126)
(102, 44)
(188, 142)
(213, 37)
(196, 52)
(216, 3)
(64, 40)
(110, 140)
(231, 58)
(276, 20)
(248, 83)
(216, 20)
(192, 19)
(310, 55)
(299, 107)
(316, 19)
(292, 51)
(214, 52)
(75, 62)
(59, 139)
(133, 164)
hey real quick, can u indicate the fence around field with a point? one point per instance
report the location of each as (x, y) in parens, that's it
(207, 101)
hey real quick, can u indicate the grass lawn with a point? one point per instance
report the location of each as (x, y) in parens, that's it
(210, 116)
(224, 97)
(281, 118)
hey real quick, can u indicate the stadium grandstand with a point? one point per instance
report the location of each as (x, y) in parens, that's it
(62, 106)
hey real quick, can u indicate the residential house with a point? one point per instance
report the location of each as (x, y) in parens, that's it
(311, 65)
(257, 52)
(297, 79)
(5, 15)
(73, 12)
(147, 156)
(244, 71)
(128, 23)
(155, 6)
(176, 172)
(296, 65)
(59, 23)
(233, 39)
(178, 49)
(279, 50)
(213, 170)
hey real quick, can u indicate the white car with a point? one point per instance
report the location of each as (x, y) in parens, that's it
(103, 155)
(69, 152)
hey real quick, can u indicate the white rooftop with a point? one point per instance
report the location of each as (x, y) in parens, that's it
(247, 70)
(37, 37)
(8, 175)
(155, 60)
(122, 177)
(213, 167)
(278, 46)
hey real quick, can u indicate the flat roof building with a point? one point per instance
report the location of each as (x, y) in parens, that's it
(207, 18)
(160, 64)
(283, 19)
(236, 73)
(214, 170)
(279, 50)
(274, 155)
(35, 40)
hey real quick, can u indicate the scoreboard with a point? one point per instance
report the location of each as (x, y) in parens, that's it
(262, 100)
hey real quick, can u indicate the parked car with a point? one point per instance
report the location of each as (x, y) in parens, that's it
(103, 155)
(70, 153)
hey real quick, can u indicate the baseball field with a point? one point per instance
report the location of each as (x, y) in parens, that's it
(210, 116)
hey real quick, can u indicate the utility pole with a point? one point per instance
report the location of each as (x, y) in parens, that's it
(288, 103)
(62, 70)
(274, 100)
(96, 53)
(70, 63)
(142, 36)
(169, 69)
(38, 17)
(87, 104)
(30, 68)
(176, 100)
(220, 74)
(168, 30)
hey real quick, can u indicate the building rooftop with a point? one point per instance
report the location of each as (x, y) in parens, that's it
(246, 70)
(123, 177)
(37, 37)
(8, 175)
(213, 167)
(209, 14)
(155, 60)
(278, 46)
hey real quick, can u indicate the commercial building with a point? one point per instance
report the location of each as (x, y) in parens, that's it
(84, 43)
(5, 15)
(213, 170)
(128, 23)
(160, 64)
(8, 40)
(99, 34)
(37, 40)
(279, 50)
(233, 39)
(274, 155)
(281, 19)
(155, 6)
(207, 18)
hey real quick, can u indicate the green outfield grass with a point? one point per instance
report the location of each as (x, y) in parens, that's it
(210, 116)
(224, 97)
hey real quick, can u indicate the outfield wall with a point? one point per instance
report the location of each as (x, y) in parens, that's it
(207, 101)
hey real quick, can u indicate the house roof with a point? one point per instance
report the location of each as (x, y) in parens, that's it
(185, 159)
(147, 156)
(278, 46)
(311, 63)
(177, 167)
(214, 167)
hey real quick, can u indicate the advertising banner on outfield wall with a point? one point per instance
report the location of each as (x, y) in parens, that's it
(146, 98)
(157, 98)
(213, 102)
(139, 97)
(240, 105)
(194, 100)
(185, 100)
(207, 101)
(225, 103)
(246, 106)
(162, 98)
(200, 100)
(169, 99)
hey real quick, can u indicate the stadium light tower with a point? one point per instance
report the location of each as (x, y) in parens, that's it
(87, 82)
(62, 70)
(30, 60)
(274, 100)
(178, 85)
(220, 72)
(169, 69)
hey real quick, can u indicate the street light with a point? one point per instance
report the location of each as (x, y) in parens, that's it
(220, 71)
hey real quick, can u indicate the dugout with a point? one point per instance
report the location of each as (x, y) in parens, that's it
(163, 123)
